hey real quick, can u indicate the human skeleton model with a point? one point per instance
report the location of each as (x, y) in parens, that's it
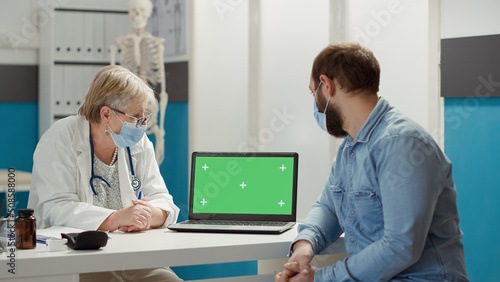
(142, 54)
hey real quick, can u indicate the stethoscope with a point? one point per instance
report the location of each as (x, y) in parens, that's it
(134, 181)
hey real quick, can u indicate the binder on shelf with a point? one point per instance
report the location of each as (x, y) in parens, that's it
(88, 37)
(99, 40)
(59, 33)
(76, 93)
(68, 37)
(116, 25)
(78, 36)
(125, 26)
(58, 89)
(69, 83)
(83, 77)
(91, 72)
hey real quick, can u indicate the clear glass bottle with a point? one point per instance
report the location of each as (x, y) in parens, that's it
(25, 229)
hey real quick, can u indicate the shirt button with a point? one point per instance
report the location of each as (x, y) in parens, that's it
(352, 212)
(352, 154)
(352, 240)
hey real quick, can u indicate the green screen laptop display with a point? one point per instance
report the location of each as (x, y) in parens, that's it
(259, 184)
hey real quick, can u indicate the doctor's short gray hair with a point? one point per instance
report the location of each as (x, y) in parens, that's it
(116, 87)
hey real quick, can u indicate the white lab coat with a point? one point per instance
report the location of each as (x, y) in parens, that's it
(60, 185)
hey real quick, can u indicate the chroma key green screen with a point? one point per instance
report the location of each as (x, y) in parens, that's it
(243, 185)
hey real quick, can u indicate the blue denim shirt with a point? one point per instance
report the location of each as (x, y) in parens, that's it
(391, 192)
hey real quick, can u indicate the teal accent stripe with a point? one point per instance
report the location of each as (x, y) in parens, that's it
(174, 168)
(19, 135)
(221, 270)
(472, 132)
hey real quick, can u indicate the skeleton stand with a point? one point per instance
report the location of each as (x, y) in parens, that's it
(143, 55)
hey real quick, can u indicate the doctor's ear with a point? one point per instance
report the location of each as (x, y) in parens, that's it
(105, 113)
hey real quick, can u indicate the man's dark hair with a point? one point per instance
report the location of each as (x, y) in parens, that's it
(352, 65)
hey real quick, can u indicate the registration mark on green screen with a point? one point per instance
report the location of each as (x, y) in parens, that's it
(243, 185)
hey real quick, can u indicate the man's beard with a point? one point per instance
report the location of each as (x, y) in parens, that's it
(334, 122)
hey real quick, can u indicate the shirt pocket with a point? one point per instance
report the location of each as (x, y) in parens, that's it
(338, 198)
(369, 211)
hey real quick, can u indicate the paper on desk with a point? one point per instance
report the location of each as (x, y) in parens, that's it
(55, 232)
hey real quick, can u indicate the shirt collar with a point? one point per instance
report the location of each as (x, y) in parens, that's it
(373, 120)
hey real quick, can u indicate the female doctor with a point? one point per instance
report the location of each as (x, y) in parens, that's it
(97, 170)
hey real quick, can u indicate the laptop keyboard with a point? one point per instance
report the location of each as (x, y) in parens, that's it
(235, 223)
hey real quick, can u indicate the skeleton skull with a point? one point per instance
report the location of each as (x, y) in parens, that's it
(139, 11)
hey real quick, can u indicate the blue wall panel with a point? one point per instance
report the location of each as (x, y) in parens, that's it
(18, 141)
(209, 271)
(472, 134)
(174, 168)
(19, 135)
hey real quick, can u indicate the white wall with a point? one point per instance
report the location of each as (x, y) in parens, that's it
(397, 33)
(14, 16)
(292, 34)
(225, 115)
(461, 18)
(218, 79)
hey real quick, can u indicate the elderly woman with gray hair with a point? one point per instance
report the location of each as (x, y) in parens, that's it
(97, 170)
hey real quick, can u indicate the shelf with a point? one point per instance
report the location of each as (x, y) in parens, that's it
(74, 45)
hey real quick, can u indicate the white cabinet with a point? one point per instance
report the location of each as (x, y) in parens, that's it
(74, 45)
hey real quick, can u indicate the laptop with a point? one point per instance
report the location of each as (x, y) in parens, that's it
(241, 193)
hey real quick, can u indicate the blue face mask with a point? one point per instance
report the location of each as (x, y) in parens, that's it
(320, 116)
(129, 135)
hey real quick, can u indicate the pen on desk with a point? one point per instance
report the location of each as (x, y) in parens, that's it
(12, 210)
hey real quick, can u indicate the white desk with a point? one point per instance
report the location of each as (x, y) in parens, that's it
(149, 249)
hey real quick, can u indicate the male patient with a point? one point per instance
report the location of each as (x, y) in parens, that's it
(390, 189)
